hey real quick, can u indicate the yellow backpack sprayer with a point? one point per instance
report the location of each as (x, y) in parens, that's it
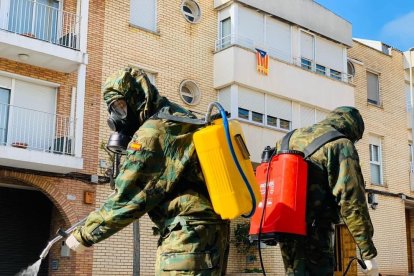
(226, 166)
(224, 160)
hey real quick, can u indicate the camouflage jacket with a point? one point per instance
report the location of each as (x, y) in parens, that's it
(160, 175)
(335, 183)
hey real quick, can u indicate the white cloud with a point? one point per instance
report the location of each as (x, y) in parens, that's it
(399, 32)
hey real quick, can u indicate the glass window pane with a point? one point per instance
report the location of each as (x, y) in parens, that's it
(271, 121)
(320, 69)
(225, 32)
(375, 174)
(243, 113)
(373, 88)
(4, 114)
(284, 124)
(257, 117)
(306, 64)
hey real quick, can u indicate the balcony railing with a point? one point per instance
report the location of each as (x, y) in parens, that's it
(306, 64)
(40, 21)
(36, 130)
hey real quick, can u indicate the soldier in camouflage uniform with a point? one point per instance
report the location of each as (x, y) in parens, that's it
(161, 176)
(335, 192)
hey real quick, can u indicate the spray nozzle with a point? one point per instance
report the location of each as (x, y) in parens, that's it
(362, 264)
(61, 234)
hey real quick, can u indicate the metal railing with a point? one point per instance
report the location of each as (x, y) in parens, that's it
(306, 64)
(310, 65)
(36, 130)
(44, 22)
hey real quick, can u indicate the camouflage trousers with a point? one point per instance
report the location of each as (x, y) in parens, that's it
(193, 247)
(312, 255)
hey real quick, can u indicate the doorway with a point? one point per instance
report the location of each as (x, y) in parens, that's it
(25, 219)
(345, 250)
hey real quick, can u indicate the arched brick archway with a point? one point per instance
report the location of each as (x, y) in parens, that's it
(45, 186)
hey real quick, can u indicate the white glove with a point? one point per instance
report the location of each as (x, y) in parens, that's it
(372, 267)
(73, 244)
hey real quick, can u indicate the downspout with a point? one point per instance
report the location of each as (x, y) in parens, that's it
(81, 80)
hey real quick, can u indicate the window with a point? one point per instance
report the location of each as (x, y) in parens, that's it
(271, 121)
(306, 63)
(335, 74)
(143, 14)
(189, 92)
(375, 160)
(307, 46)
(243, 113)
(4, 114)
(191, 11)
(257, 117)
(285, 124)
(320, 69)
(225, 32)
(351, 71)
(263, 109)
(373, 88)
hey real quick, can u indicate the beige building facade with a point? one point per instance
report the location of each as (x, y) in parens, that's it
(380, 95)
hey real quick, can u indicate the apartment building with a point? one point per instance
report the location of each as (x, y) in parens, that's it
(381, 77)
(201, 51)
(48, 139)
(307, 77)
(195, 52)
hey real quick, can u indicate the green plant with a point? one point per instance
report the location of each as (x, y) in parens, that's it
(241, 241)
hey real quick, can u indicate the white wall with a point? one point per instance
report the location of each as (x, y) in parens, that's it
(237, 65)
(308, 14)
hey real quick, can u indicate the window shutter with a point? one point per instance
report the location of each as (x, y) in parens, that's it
(307, 116)
(143, 13)
(279, 108)
(306, 45)
(251, 100)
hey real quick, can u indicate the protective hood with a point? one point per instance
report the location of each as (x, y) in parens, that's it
(135, 88)
(347, 120)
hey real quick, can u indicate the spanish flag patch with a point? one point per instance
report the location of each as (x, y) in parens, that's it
(135, 146)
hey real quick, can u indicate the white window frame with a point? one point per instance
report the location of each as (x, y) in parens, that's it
(376, 141)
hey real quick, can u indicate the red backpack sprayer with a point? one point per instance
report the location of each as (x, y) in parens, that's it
(282, 178)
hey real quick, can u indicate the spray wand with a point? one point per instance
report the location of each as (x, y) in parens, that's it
(61, 234)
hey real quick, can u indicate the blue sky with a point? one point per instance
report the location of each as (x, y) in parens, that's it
(391, 22)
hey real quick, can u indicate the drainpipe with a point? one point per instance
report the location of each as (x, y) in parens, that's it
(83, 10)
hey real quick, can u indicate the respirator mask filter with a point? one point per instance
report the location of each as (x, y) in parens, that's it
(121, 120)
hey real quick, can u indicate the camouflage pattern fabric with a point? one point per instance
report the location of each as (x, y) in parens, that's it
(335, 192)
(161, 176)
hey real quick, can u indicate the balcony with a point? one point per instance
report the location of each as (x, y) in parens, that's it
(37, 140)
(47, 35)
(235, 62)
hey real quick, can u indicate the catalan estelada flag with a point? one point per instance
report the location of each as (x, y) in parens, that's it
(262, 59)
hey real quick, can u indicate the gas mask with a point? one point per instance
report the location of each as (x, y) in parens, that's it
(124, 123)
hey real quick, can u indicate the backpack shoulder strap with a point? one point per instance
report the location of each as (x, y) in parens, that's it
(322, 140)
(285, 140)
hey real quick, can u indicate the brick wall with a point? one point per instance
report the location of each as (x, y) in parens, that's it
(389, 122)
(65, 213)
(178, 51)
